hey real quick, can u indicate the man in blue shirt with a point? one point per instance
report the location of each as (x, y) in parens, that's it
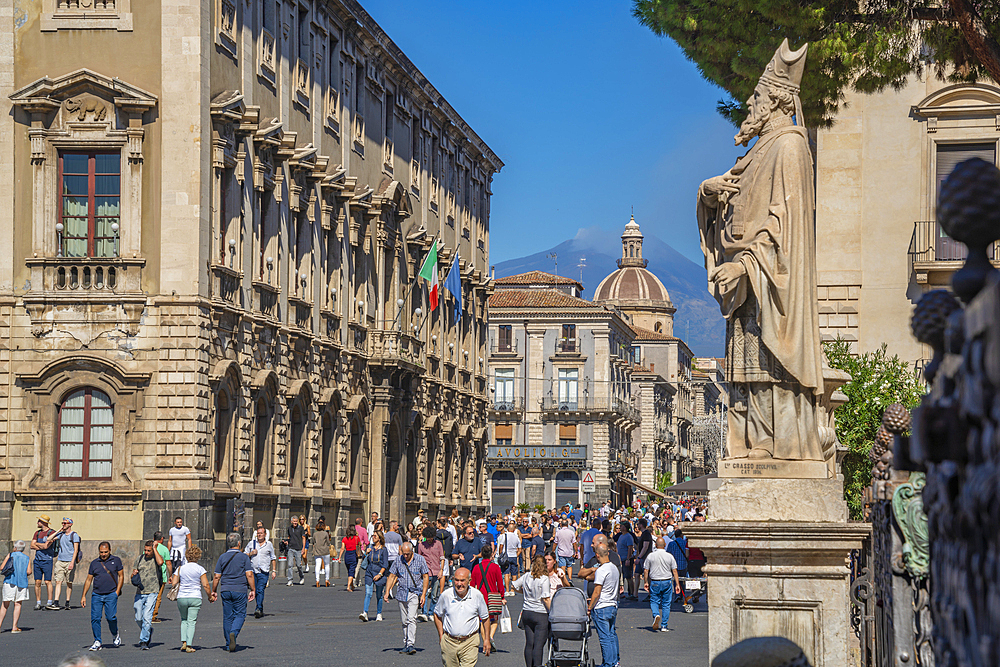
(678, 549)
(467, 548)
(491, 527)
(233, 578)
(44, 544)
(586, 540)
(108, 576)
(64, 568)
(578, 514)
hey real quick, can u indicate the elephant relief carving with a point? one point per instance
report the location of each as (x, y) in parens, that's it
(86, 104)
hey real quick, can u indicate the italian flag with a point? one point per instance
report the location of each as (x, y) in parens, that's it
(429, 272)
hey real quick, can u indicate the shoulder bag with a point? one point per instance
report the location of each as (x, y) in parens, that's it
(494, 601)
(8, 566)
(136, 579)
(502, 558)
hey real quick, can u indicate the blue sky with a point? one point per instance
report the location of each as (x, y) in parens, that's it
(590, 111)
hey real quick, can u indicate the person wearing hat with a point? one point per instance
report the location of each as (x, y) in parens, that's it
(64, 566)
(44, 546)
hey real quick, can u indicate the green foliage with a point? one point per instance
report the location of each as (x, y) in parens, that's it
(664, 480)
(522, 507)
(877, 381)
(867, 46)
(539, 508)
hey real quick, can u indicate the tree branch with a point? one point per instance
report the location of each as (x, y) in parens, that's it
(977, 34)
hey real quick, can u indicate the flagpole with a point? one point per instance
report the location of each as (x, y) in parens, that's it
(428, 311)
(405, 297)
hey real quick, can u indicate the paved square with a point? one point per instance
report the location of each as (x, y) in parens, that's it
(310, 627)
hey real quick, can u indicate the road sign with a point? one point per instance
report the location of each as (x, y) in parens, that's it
(589, 485)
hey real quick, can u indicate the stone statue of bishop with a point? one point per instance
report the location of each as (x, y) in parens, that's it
(757, 232)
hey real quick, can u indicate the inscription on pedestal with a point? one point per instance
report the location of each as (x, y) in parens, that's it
(773, 469)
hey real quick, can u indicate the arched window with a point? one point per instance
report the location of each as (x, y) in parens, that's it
(326, 457)
(502, 491)
(262, 438)
(567, 488)
(658, 327)
(223, 428)
(86, 434)
(295, 453)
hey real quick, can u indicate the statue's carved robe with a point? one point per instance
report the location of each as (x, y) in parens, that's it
(773, 353)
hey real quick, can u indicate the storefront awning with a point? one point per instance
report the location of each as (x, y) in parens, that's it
(642, 487)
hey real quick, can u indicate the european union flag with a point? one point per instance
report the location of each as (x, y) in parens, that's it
(453, 283)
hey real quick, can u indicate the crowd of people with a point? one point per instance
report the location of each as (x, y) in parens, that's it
(457, 571)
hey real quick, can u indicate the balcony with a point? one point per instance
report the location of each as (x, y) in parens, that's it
(91, 290)
(301, 312)
(504, 348)
(331, 325)
(265, 299)
(934, 256)
(567, 346)
(395, 348)
(226, 285)
(358, 338)
(590, 406)
(509, 405)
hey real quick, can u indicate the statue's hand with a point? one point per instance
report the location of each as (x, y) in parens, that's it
(727, 275)
(726, 183)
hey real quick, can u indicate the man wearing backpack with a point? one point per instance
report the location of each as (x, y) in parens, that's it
(45, 546)
(65, 565)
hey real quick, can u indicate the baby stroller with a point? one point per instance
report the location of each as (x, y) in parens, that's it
(569, 628)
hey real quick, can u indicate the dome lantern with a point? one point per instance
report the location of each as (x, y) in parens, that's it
(632, 246)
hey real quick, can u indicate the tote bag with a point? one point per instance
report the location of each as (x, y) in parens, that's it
(505, 622)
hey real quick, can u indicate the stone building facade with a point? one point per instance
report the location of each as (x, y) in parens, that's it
(878, 170)
(213, 218)
(562, 403)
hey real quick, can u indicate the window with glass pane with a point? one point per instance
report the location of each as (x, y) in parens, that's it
(91, 203)
(569, 383)
(504, 337)
(504, 385)
(86, 434)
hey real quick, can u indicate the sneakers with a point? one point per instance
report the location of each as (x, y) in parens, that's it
(52, 606)
(39, 605)
(665, 629)
(422, 618)
(143, 646)
(289, 583)
(302, 581)
(118, 640)
(67, 608)
(96, 646)
(364, 616)
(656, 623)
(510, 594)
(257, 614)
(378, 617)
(411, 651)
(232, 642)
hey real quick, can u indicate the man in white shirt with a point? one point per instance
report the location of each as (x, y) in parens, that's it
(461, 616)
(371, 524)
(603, 606)
(180, 540)
(262, 557)
(661, 566)
(510, 541)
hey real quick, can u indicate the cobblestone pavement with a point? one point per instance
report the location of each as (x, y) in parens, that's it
(304, 625)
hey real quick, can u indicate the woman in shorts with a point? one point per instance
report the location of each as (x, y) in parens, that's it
(15, 584)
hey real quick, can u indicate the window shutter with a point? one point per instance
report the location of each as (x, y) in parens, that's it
(950, 156)
(567, 431)
(504, 431)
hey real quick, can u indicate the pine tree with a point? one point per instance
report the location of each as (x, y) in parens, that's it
(865, 45)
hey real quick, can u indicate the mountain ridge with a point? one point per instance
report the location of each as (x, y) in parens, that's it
(697, 320)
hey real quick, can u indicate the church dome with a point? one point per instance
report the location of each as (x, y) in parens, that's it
(632, 281)
(631, 284)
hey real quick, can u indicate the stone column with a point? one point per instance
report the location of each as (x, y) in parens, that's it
(778, 564)
(377, 491)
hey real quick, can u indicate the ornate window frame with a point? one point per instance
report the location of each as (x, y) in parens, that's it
(46, 391)
(85, 111)
(86, 15)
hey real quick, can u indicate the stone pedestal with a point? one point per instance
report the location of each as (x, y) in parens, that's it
(777, 553)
